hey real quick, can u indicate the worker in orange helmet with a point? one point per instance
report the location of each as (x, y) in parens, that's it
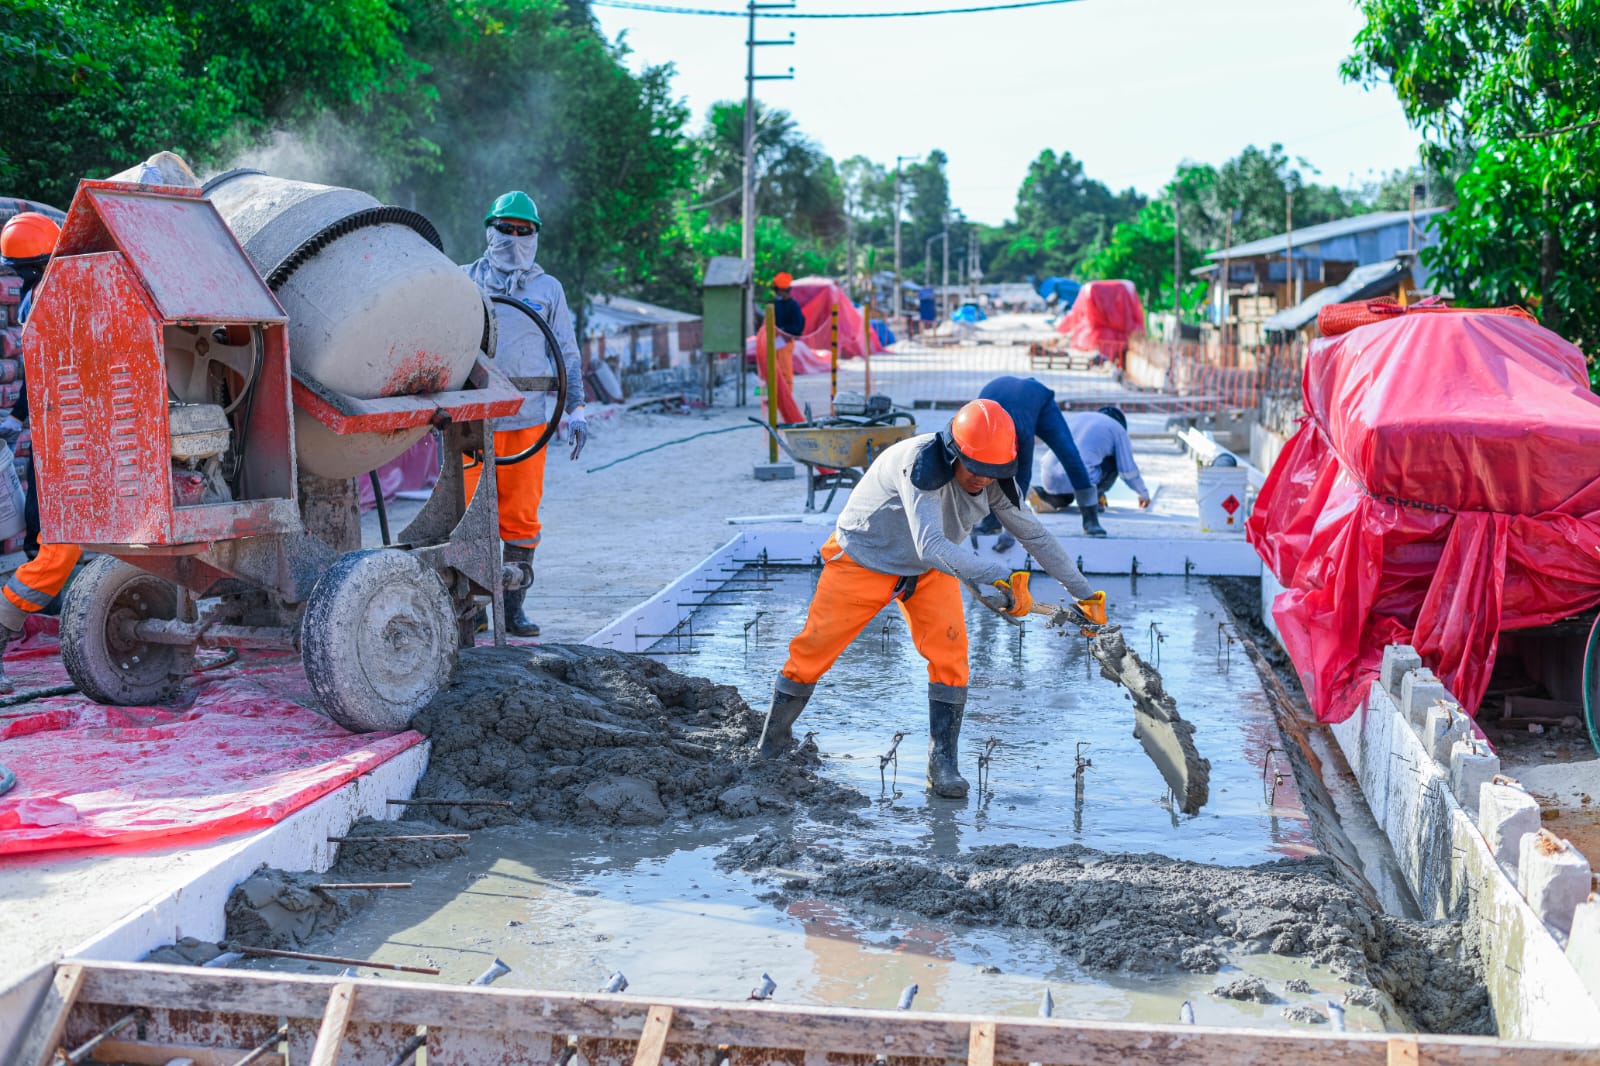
(786, 313)
(902, 538)
(26, 244)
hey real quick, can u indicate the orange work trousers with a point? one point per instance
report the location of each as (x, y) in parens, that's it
(849, 595)
(38, 581)
(521, 486)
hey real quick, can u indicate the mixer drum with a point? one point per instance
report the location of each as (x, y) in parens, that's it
(377, 311)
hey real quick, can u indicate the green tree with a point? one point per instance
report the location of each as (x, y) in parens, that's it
(1061, 214)
(794, 179)
(1514, 87)
(1140, 251)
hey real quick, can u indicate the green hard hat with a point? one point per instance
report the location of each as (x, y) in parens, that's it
(514, 205)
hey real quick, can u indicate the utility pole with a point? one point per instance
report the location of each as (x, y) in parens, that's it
(944, 286)
(895, 312)
(1177, 258)
(1288, 250)
(748, 210)
(1227, 271)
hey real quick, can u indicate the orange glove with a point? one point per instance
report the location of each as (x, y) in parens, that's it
(1017, 587)
(1094, 608)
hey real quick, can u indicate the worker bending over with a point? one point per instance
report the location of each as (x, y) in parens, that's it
(1106, 450)
(902, 538)
(1032, 406)
(507, 268)
(26, 244)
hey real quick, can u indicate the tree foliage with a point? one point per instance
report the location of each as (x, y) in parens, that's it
(1061, 214)
(1514, 87)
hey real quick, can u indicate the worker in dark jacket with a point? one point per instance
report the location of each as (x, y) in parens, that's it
(1032, 407)
(786, 313)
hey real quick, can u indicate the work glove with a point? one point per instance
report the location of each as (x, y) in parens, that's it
(578, 423)
(1094, 609)
(1144, 503)
(10, 432)
(1016, 589)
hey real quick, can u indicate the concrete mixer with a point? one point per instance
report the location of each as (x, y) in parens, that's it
(208, 371)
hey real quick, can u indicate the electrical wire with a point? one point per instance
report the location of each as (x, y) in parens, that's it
(665, 9)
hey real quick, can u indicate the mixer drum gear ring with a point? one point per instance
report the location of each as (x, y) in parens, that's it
(107, 662)
(379, 639)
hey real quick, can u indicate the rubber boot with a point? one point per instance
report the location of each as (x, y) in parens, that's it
(946, 705)
(1091, 520)
(788, 700)
(1005, 541)
(517, 624)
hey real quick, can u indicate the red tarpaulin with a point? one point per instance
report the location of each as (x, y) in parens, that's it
(240, 755)
(1103, 317)
(1444, 486)
(817, 297)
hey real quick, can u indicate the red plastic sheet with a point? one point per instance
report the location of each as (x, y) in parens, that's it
(1103, 317)
(1444, 487)
(243, 754)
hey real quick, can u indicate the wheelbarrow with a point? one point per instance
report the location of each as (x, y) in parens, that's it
(836, 451)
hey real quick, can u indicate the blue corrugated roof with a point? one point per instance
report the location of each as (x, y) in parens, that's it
(1364, 281)
(1327, 231)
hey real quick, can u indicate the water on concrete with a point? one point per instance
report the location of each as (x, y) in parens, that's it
(566, 907)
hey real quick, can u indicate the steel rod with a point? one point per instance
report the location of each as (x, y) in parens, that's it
(265, 1046)
(447, 803)
(399, 839)
(361, 886)
(83, 1051)
(336, 960)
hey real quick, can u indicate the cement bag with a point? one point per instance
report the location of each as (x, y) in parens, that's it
(11, 496)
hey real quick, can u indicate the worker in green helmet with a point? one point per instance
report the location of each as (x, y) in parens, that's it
(508, 267)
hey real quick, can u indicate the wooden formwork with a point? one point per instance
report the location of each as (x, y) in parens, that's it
(216, 1018)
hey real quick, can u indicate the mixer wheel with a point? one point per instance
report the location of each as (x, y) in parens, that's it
(102, 656)
(379, 639)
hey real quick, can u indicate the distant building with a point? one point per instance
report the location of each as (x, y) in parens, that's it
(1360, 257)
(639, 335)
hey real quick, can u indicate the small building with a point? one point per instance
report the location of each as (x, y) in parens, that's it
(639, 335)
(1274, 273)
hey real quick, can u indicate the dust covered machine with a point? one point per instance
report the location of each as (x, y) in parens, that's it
(208, 372)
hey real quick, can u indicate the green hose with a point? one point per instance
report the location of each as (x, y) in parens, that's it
(668, 444)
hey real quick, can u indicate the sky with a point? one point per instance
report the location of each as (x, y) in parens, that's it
(1130, 87)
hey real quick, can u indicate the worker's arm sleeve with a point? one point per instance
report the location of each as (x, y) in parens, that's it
(1038, 542)
(1127, 467)
(924, 516)
(19, 410)
(1052, 429)
(567, 336)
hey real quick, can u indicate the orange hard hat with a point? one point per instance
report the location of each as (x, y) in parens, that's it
(28, 235)
(783, 281)
(985, 439)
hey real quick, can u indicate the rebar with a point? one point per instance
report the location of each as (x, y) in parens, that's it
(83, 1051)
(1157, 638)
(985, 777)
(278, 1036)
(447, 803)
(1277, 777)
(408, 1050)
(361, 886)
(568, 1052)
(336, 960)
(399, 839)
(892, 756)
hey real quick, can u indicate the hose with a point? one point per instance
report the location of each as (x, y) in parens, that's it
(680, 440)
(551, 345)
(383, 508)
(372, 216)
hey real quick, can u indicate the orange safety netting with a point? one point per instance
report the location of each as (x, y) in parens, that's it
(1342, 318)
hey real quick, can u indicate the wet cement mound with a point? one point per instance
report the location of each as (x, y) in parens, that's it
(581, 735)
(1151, 914)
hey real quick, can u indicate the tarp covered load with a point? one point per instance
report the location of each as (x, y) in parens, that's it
(239, 755)
(1445, 486)
(1103, 317)
(817, 298)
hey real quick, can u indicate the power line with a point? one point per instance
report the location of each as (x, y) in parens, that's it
(638, 5)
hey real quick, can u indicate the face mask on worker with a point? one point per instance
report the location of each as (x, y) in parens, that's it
(30, 273)
(509, 252)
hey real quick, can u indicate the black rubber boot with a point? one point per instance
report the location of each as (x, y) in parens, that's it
(946, 705)
(1091, 520)
(788, 700)
(517, 624)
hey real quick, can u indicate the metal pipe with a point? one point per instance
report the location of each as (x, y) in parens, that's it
(408, 1049)
(336, 960)
(361, 886)
(399, 839)
(265, 1046)
(84, 1050)
(172, 631)
(447, 803)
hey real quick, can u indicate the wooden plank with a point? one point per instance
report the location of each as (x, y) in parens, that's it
(1403, 1051)
(138, 1054)
(653, 1041)
(775, 1027)
(39, 1043)
(335, 1020)
(980, 1046)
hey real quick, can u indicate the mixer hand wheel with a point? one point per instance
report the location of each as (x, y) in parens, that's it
(552, 349)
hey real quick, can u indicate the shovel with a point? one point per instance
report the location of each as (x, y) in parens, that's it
(1167, 738)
